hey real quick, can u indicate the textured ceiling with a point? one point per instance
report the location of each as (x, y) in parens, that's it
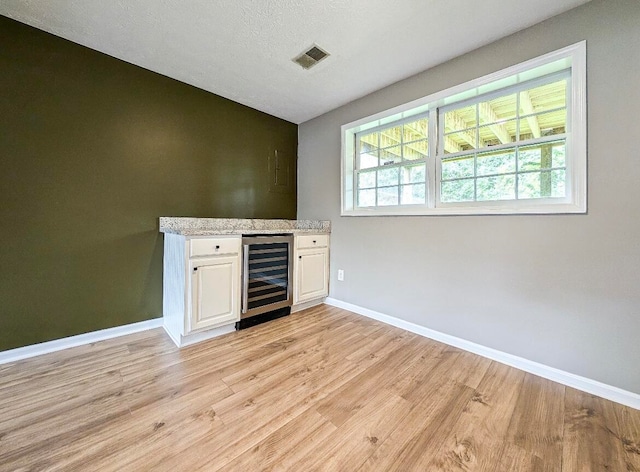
(242, 49)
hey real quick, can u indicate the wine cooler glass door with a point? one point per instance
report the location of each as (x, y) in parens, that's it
(266, 274)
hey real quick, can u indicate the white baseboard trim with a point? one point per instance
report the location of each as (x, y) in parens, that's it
(26, 352)
(584, 384)
(189, 339)
(305, 305)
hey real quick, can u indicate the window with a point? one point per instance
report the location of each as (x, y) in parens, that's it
(512, 142)
(391, 162)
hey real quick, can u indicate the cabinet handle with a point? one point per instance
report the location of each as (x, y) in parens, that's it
(217, 247)
(314, 241)
(299, 257)
(195, 268)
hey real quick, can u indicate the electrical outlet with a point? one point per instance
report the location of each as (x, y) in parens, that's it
(340, 275)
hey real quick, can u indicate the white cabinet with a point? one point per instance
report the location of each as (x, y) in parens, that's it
(215, 291)
(201, 287)
(311, 268)
(202, 282)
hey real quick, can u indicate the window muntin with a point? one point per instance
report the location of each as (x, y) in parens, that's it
(391, 164)
(488, 164)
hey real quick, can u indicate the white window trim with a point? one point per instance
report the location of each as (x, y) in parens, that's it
(573, 56)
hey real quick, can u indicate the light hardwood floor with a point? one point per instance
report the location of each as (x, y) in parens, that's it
(323, 389)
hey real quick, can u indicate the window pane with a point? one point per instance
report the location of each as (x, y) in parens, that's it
(387, 177)
(413, 174)
(529, 158)
(457, 191)
(547, 124)
(501, 187)
(369, 143)
(371, 138)
(367, 179)
(415, 150)
(388, 196)
(558, 183)
(546, 184)
(529, 185)
(415, 130)
(457, 167)
(540, 156)
(366, 198)
(552, 123)
(366, 148)
(390, 155)
(542, 184)
(497, 133)
(544, 98)
(460, 118)
(558, 155)
(460, 141)
(391, 136)
(367, 161)
(498, 110)
(413, 194)
(497, 162)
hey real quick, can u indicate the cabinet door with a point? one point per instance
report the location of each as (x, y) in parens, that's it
(312, 279)
(215, 291)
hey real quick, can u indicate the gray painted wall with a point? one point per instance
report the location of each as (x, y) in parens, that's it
(562, 290)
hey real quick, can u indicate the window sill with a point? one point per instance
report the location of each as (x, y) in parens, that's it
(450, 210)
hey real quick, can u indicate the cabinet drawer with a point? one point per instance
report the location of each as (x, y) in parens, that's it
(312, 240)
(213, 246)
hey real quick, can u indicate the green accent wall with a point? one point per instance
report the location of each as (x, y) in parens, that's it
(92, 151)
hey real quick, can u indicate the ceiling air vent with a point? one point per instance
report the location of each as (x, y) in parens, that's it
(311, 57)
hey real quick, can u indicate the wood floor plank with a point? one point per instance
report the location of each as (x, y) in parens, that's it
(359, 436)
(470, 369)
(252, 412)
(32, 408)
(591, 441)
(280, 450)
(476, 441)
(537, 423)
(412, 445)
(246, 376)
(342, 404)
(322, 389)
(99, 440)
(240, 349)
(187, 413)
(629, 434)
(293, 378)
(516, 459)
(436, 366)
(41, 427)
(249, 429)
(42, 450)
(24, 381)
(381, 345)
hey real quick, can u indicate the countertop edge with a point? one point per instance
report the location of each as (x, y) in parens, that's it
(189, 233)
(193, 227)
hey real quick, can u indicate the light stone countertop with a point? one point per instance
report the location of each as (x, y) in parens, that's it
(214, 226)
